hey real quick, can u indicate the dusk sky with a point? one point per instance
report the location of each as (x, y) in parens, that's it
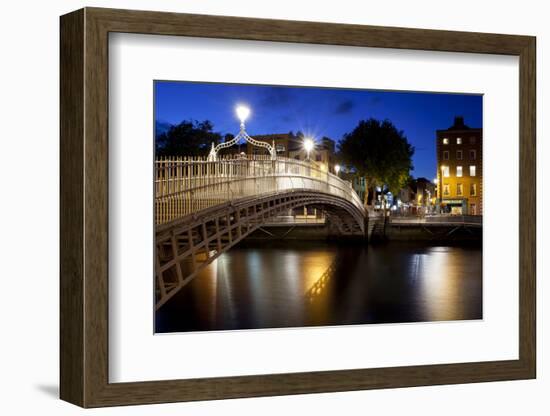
(318, 112)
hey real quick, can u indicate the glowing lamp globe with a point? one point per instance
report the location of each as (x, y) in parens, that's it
(308, 145)
(242, 112)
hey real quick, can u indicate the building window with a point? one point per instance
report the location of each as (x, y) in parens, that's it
(459, 171)
(473, 189)
(445, 170)
(318, 158)
(472, 154)
(446, 189)
(445, 155)
(472, 140)
(459, 189)
(459, 155)
(459, 140)
(472, 170)
(445, 140)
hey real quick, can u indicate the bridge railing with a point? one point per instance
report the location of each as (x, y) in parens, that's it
(184, 185)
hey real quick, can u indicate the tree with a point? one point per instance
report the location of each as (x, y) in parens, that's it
(188, 138)
(379, 152)
(228, 137)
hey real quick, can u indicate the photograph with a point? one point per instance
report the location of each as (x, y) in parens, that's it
(350, 210)
(311, 206)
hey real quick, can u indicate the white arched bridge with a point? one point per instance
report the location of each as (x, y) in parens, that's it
(204, 206)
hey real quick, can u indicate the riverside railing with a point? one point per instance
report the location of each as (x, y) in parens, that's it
(185, 185)
(470, 220)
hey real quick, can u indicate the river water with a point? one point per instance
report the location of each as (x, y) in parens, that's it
(297, 284)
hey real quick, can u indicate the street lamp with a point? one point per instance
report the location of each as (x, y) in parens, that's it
(441, 188)
(337, 169)
(308, 146)
(435, 194)
(242, 113)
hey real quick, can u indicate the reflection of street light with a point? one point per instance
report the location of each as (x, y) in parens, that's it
(308, 146)
(337, 169)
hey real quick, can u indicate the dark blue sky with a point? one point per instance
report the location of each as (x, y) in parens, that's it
(318, 112)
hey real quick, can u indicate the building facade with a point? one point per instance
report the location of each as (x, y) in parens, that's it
(460, 169)
(322, 153)
(424, 193)
(290, 146)
(284, 143)
(417, 197)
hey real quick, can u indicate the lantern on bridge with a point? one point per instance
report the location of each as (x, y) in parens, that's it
(242, 113)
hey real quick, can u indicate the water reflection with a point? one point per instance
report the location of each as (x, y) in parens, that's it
(317, 283)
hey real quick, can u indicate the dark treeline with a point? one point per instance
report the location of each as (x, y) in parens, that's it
(188, 138)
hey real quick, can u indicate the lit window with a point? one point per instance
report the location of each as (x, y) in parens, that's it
(472, 154)
(459, 189)
(445, 140)
(459, 171)
(473, 189)
(459, 155)
(446, 189)
(445, 170)
(459, 140)
(472, 170)
(445, 155)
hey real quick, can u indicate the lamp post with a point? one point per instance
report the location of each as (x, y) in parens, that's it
(441, 189)
(436, 180)
(242, 113)
(337, 169)
(429, 202)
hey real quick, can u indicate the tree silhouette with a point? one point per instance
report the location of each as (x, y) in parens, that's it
(379, 152)
(188, 138)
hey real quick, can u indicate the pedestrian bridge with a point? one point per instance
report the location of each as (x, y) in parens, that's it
(203, 207)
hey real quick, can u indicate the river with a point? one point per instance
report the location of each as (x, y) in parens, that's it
(296, 284)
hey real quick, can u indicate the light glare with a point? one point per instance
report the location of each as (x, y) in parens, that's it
(308, 145)
(242, 112)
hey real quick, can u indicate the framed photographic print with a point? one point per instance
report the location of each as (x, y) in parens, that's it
(256, 207)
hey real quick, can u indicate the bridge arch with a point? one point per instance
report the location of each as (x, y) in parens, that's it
(203, 208)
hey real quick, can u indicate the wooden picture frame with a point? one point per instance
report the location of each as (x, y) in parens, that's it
(84, 207)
